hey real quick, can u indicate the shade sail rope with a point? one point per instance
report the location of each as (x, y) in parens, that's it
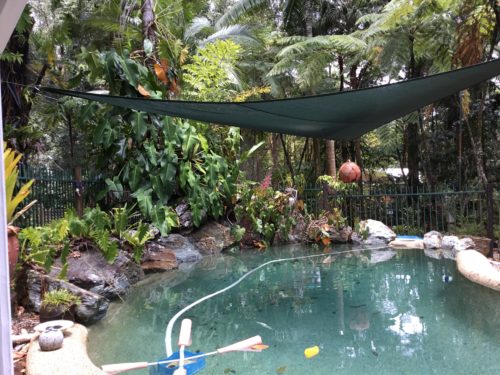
(341, 115)
(170, 325)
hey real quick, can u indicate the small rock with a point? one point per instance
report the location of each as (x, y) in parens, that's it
(433, 240)
(212, 238)
(185, 216)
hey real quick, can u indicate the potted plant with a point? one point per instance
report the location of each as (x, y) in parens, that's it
(11, 160)
(58, 304)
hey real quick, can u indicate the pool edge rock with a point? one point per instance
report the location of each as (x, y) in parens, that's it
(477, 268)
(72, 358)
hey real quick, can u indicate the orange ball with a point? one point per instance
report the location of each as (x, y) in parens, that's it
(349, 172)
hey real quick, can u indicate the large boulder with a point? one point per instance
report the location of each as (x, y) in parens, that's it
(482, 244)
(378, 256)
(92, 308)
(449, 242)
(342, 235)
(373, 232)
(477, 268)
(92, 272)
(212, 238)
(184, 250)
(159, 258)
(464, 244)
(433, 240)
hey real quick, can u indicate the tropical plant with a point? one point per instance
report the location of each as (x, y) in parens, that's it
(60, 298)
(41, 245)
(266, 212)
(11, 160)
(137, 239)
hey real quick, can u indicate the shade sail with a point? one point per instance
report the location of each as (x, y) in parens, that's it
(341, 116)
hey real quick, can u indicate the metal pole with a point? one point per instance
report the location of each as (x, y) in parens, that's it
(5, 319)
(489, 214)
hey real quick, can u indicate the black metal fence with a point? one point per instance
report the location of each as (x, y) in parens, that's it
(54, 191)
(413, 210)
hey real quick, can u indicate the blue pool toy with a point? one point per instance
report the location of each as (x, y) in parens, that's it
(184, 362)
(168, 368)
(408, 238)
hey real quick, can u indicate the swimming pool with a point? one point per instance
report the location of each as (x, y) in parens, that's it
(396, 316)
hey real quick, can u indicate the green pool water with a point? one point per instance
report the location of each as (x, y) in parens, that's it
(367, 317)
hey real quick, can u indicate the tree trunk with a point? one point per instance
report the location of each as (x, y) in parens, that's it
(330, 158)
(287, 159)
(275, 154)
(412, 129)
(148, 21)
(476, 140)
(308, 16)
(316, 157)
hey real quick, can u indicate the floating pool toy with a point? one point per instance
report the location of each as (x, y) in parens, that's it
(447, 279)
(184, 362)
(407, 238)
(311, 352)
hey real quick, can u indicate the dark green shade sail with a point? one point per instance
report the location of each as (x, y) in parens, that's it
(340, 116)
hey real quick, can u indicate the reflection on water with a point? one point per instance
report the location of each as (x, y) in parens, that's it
(368, 312)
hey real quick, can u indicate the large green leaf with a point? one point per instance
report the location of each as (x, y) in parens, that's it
(167, 176)
(139, 125)
(115, 187)
(135, 177)
(144, 200)
(151, 153)
(130, 71)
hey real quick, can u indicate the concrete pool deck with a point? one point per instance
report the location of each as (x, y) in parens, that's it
(71, 359)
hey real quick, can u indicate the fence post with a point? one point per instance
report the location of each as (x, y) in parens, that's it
(489, 214)
(325, 197)
(78, 188)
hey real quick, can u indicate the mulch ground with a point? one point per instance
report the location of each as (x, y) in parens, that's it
(22, 322)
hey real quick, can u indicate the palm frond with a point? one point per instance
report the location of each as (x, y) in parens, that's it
(197, 25)
(288, 40)
(238, 10)
(282, 67)
(340, 43)
(312, 71)
(238, 33)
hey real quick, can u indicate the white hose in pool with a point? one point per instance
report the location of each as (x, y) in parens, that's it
(170, 326)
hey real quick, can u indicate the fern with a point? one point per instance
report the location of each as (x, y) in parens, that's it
(108, 247)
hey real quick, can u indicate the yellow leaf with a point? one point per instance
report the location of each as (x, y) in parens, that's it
(143, 91)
